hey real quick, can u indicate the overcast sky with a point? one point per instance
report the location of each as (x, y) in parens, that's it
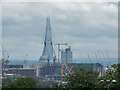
(87, 27)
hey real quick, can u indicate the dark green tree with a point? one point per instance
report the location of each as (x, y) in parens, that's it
(82, 78)
(111, 74)
(23, 82)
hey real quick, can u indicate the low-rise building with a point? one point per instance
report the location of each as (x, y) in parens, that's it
(22, 71)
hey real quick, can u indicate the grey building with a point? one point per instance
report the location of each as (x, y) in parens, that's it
(14, 66)
(22, 71)
(66, 55)
(56, 69)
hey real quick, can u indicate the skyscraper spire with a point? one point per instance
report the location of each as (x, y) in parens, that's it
(48, 51)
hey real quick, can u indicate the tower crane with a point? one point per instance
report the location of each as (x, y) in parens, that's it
(109, 60)
(59, 44)
(5, 57)
(61, 71)
(66, 67)
(25, 61)
(5, 61)
(70, 69)
(89, 57)
(100, 57)
(96, 57)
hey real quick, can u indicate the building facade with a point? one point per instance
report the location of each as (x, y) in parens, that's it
(66, 55)
(22, 71)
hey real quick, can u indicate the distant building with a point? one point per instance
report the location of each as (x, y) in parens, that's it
(22, 71)
(66, 55)
(50, 70)
(14, 66)
(19, 69)
(56, 69)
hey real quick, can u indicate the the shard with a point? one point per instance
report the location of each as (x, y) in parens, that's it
(48, 51)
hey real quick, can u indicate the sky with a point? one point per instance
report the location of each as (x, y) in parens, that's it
(0, 30)
(88, 27)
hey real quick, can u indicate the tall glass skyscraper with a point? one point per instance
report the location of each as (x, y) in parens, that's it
(48, 51)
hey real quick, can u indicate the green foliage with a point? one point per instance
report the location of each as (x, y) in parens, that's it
(16, 76)
(118, 76)
(23, 82)
(55, 85)
(82, 78)
(111, 74)
(6, 81)
(44, 84)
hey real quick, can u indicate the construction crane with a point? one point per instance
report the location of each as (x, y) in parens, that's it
(5, 61)
(100, 57)
(54, 58)
(66, 67)
(5, 57)
(104, 57)
(109, 59)
(61, 71)
(80, 56)
(59, 44)
(96, 57)
(89, 57)
(70, 69)
(25, 61)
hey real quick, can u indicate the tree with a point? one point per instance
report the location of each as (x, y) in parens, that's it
(23, 82)
(82, 78)
(111, 74)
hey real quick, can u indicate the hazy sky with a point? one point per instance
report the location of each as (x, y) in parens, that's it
(86, 27)
(0, 40)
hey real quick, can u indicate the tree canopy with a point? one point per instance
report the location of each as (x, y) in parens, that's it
(81, 78)
(111, 74)
(23, 82)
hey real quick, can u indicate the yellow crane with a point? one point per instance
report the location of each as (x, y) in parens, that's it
(62, 65)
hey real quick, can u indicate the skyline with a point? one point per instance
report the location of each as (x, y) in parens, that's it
(70, 23)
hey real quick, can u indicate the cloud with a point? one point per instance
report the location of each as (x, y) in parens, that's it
(87, 27)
